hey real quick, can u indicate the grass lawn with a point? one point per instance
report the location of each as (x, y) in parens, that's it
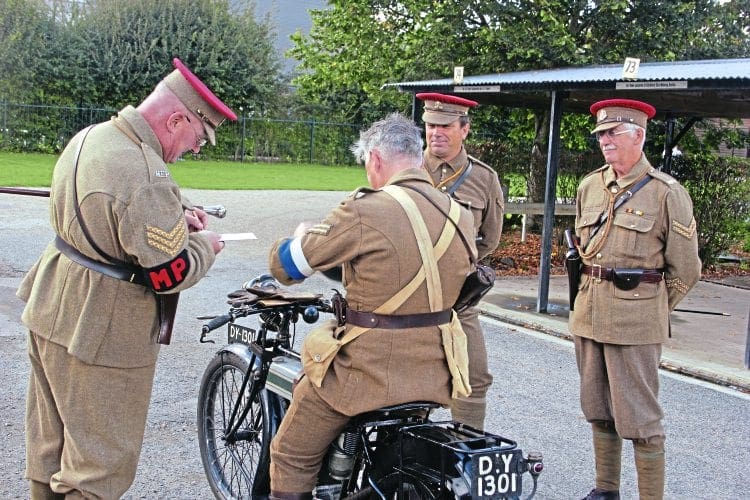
(35, 170)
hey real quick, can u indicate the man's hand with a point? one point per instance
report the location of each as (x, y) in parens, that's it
(215, 240)
(302, 229)
(197, 219)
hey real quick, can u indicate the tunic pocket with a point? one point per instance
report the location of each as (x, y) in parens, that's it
(641, 292)
(628, 234)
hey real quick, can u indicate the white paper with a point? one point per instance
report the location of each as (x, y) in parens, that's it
(238, 236)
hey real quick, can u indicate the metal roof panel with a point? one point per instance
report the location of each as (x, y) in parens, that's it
(705, 88)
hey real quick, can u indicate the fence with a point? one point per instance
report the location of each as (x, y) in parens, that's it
(47, 129)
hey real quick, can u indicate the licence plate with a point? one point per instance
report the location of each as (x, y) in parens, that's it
(496, 474)
(240, 334)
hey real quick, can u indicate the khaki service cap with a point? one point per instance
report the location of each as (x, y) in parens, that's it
(198, 98)
(442, 109)
(611, 113)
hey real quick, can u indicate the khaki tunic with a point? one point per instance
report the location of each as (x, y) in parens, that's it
(369, 234)
(98, 331)
(371, 237)
(653, 230)
(134, 212)
(480, 191)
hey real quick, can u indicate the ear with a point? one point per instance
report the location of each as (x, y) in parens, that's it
(465, 130)
(376, 161)
(173, 120)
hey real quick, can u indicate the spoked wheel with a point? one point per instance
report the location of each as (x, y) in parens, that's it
(236, 463)
(412, 489)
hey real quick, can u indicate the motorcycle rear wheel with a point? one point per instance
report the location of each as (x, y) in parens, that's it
(413, 489)
(237, 467)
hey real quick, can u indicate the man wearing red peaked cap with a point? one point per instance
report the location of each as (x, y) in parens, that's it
(476, 185)
(612, 112)
(106, 288)
(639, 250)
(198, 98)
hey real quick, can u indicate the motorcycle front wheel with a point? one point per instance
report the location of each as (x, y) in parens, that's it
(236, 462)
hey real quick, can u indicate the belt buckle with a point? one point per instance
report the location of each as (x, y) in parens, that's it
(597, 279)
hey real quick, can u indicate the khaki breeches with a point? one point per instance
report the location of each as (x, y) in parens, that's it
(479, 374)
(84, 423)
(298, 449)
(620, 384)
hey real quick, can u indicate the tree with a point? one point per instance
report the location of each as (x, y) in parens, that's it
(111, 53)
(357, 45)
(131, 45)
(26, 31)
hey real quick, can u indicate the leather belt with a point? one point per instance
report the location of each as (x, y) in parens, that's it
(607, 273)
(392, 321)
(129, 274)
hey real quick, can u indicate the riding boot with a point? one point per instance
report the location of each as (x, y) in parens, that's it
(469, 411)
(597, 494)
(607, 459)
(42, 491)
(285, 495)
(649, 463)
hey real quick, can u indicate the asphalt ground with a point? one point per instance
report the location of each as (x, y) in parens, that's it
(534, 397)
(709, 343)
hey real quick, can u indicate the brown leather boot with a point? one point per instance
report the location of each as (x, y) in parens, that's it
(597, 494)
(649, 463)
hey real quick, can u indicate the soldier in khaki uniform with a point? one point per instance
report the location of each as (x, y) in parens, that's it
(476, 185)
(637, 267)
(370, 235)
(126, 239)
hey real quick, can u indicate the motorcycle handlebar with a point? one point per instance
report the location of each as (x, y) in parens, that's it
(216, 322)
(215, 210)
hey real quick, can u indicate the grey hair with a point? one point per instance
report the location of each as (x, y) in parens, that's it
(634, 126)
(395, 137)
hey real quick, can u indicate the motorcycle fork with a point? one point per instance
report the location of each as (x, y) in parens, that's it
(258, 380)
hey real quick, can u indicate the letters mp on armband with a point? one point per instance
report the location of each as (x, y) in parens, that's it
(170, 274)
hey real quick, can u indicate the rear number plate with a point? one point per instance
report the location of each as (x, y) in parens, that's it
(496, 474)
(240, 334)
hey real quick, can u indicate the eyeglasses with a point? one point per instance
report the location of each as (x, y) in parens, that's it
(199, 141)
(610, 133)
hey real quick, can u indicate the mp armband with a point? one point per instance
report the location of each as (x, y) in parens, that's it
(168, 275)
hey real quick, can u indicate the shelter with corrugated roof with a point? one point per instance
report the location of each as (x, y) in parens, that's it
(715, 88)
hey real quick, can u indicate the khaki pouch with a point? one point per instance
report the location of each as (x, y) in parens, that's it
(457, 356)
(319, 348)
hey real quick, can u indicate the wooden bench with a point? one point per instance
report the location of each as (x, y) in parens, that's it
(525, 209)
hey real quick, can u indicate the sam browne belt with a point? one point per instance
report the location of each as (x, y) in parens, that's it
(131, 274)
(624, 279)
(393, 321)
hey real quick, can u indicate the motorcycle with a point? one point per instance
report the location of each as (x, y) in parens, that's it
(393, 452)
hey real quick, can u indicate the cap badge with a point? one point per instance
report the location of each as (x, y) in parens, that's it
(601, 115)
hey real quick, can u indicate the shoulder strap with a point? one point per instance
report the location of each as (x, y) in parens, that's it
(400, 297)
(77, 207)
(424, 243)
(454, 220)
(461, 179)
(620, 201)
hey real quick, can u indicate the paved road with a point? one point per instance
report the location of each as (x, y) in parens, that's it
(534, 399)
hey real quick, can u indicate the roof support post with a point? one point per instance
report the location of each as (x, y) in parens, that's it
(668, 144)
(550, 197)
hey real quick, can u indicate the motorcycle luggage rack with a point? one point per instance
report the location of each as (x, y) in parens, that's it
(441, 453)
